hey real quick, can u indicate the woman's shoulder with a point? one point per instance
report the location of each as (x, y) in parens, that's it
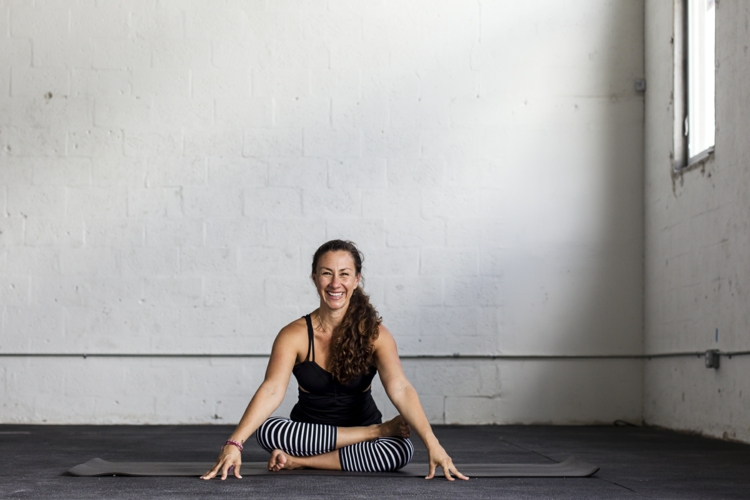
(384, 336)
(295, 333)
(385, 350)
(295, 328)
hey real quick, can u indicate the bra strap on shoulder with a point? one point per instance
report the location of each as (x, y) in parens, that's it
(311, 339)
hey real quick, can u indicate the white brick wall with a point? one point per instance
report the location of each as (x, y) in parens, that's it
(697, 246)
(167, 169)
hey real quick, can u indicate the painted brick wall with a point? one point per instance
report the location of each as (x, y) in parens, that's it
(698, 241)
(168, 167)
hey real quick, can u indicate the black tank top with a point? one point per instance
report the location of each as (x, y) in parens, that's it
(327, 401)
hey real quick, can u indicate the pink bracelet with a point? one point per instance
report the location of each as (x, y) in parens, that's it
(235, 443)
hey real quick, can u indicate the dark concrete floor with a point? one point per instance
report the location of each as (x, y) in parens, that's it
(635, 462)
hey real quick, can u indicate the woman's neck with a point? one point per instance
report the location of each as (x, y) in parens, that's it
(329, 319)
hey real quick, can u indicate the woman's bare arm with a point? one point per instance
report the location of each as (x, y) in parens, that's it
(267, 398)
(406, 401)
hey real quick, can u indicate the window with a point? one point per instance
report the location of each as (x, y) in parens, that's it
(695, 88)
(701, 122)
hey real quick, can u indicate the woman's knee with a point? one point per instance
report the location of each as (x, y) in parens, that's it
(400, 448)
(387, 454)
(266, 431)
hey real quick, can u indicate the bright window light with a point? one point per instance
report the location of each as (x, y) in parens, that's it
(701, 122)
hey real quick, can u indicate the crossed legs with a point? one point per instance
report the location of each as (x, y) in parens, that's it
(374, 448)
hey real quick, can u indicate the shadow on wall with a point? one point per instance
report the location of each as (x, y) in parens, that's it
(541, 197)
(572, 214)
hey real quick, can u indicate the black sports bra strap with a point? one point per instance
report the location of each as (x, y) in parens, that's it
(311, 337)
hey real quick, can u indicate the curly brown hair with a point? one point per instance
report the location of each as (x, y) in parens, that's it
(353, 338)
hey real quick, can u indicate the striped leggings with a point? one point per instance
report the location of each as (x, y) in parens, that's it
(302, 439)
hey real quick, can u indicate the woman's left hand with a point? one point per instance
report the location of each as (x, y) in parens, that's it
(438, 457)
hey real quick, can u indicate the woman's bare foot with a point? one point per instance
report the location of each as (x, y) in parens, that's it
(395, 427)
(280, 460)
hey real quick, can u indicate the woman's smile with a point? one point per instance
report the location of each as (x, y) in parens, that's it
(336, 279)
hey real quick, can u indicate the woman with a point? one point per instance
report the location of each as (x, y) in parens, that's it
(334, 353)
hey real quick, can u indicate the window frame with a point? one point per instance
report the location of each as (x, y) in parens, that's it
(682, 161)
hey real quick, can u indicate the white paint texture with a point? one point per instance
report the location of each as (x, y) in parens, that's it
(168, 168)
(698, 240)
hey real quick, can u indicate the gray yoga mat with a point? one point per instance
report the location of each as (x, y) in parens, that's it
(572, 467)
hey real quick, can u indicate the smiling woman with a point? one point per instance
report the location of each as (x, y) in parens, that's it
(337, 272)
(334, 353)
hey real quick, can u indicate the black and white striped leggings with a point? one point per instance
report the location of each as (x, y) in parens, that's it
(302, 439)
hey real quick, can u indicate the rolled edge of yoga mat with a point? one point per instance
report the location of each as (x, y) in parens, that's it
(572, 467)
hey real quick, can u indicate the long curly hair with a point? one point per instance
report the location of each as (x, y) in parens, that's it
(353, 338)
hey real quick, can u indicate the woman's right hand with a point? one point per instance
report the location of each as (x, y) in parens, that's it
(230, 459)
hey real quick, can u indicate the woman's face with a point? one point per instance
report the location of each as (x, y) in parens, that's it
(336, 279)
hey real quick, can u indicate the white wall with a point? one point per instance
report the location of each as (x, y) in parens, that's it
(168, 168)
(698, 240)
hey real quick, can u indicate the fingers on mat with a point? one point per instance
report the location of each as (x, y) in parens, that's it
(458, 474)
(447, 472)
(211, 473)
(432, 472)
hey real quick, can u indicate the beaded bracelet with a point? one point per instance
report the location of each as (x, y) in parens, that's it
(235, 443)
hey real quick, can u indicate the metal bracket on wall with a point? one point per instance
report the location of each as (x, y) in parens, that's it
(713, 358)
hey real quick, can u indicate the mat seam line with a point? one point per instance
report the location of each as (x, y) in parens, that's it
(530, 450)
(618, 484)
